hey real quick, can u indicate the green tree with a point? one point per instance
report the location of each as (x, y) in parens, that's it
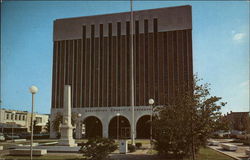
(183, 126)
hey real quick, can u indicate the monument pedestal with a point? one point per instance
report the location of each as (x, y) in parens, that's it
(66, 137)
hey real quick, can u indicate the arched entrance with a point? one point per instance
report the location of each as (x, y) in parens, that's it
(143, 127)
(121, 125)
(93, 127)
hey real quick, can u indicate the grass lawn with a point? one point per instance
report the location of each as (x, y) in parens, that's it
(81, 140)
(209, 154)
(142, 141)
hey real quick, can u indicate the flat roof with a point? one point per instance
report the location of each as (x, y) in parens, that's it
(169, 19)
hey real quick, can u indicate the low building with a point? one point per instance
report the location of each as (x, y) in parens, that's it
(20, 121)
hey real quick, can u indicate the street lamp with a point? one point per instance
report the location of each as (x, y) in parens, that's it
(132, 73)
(79, 126)
(118, 114)
(33, 91)
(13, 125)
(151, 103)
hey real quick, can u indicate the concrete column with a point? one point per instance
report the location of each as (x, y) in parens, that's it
(78, 130)
(135, 131)
(133, 125)
(105, 128)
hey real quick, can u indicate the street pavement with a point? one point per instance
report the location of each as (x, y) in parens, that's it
(239, 154)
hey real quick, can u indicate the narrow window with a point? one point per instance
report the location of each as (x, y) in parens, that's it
(155, 25)
(145, 26)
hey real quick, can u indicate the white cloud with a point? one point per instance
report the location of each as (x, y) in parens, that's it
(245, 84)
(238, 36)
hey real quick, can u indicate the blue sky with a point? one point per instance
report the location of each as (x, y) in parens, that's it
(220, 46)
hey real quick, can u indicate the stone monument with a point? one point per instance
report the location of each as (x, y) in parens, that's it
(66, 127)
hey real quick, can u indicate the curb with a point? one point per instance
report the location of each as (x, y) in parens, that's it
(236, 158)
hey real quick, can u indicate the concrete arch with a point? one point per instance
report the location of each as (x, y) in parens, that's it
(121, 115)
(141, 115)
(119, 127)
(142, 127)
(93, 126)
(89, 115)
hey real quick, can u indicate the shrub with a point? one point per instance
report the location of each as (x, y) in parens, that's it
(131, 148)
(138, 145)
(98, 149)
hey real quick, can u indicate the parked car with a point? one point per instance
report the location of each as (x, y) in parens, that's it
(25, 135)
(35, 136)
(235, 133)
(41, 136)
(2, 138)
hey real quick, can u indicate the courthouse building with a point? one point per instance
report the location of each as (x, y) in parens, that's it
(93, 55)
